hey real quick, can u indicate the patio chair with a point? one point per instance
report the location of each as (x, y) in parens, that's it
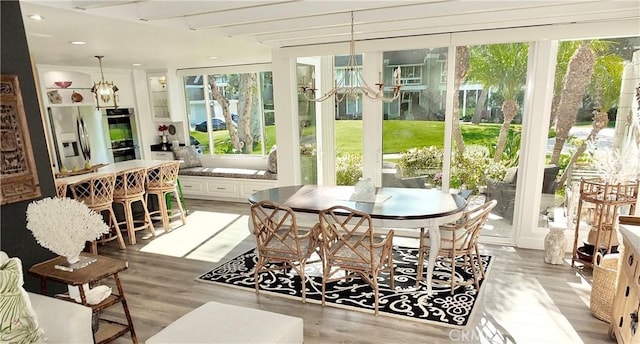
(350, 249)
(280, 245)
(459, 239)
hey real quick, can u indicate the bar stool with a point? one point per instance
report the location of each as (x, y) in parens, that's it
(130, 188)
(61, 188)
(162, 180)
(97, 194)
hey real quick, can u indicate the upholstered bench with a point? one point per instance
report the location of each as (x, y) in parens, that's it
(216, 322)
(225, 172)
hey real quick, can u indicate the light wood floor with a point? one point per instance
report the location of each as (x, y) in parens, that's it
(525, 300)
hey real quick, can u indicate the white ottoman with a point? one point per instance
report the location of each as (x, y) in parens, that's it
(216, 322)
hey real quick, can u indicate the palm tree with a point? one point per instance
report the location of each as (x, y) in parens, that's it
(577, 78)
(504, 67)
(605, 89)
(462, 65)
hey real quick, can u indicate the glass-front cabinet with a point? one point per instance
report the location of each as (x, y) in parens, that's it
(159, 96)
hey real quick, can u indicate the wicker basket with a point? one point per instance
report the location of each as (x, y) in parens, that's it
(603, 289)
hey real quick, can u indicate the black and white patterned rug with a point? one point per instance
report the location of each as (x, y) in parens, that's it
(405, 301)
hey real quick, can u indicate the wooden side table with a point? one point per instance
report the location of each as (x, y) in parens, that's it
(102, 268)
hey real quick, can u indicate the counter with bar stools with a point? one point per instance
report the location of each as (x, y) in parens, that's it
(96, 192)
(129, 189)
(162, 182)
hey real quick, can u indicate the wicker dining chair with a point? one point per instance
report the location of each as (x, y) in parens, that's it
(459, 239)
(280, 244)
(350, 249)
(97, 194)
(129, 189)
(162, 180)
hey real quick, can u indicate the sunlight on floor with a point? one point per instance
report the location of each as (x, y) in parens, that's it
(192, 239)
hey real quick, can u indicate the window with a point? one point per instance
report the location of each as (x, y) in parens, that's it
(231, 113)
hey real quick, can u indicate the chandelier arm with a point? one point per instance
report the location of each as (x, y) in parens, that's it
(357, 84)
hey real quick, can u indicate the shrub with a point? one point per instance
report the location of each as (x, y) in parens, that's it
(417, 161)
(468, 169)
(348, 169)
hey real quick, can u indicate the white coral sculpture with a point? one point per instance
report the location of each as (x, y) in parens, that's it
(64, 225)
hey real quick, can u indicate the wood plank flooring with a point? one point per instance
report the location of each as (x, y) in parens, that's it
(525, 300)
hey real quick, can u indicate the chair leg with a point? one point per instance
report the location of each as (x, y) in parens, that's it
(391, 278)
(179, 202)
(374, 282)
(453, 271)
(147, 217)
(472, 265)
(420, 258)
(114, 222)
(304, 283)
(163, 212)
(480, 265)
(129, 220)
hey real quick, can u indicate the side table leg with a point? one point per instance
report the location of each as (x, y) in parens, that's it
(126, 309)
(43, 285)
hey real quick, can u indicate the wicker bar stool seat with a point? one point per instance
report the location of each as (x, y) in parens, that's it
(130, 188)
(162, 180)
(97, 194)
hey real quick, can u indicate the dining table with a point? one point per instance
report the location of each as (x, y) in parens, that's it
(407, 208)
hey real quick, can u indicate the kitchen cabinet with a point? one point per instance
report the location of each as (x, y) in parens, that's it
(159, 97)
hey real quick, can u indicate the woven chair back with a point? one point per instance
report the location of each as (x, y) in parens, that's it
(347, 237)
(130, 183)
(96, 192)
(163, 177)
(276, 231)
(61, 188)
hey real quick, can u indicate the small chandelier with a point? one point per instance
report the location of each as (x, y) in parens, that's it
(351, 83)
(103, 90)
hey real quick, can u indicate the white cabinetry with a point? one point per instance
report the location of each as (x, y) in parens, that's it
(224, 189)
(156, 155)
(159, 97)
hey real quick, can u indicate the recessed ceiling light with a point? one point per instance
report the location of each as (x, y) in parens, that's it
(36, 17)
(213, 57)
(78, 42)
(136, 64)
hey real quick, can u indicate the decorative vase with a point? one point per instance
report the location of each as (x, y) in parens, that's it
(365, 186)
(555, 245)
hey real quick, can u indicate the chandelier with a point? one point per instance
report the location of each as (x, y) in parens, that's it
(103, 90)
(351, 83)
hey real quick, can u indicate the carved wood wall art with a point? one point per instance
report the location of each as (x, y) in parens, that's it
(18, 175)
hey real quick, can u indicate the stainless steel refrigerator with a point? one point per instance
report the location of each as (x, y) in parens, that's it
(78, 136)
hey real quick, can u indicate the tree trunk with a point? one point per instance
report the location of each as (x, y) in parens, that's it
(600, 121)
(462, 65)
(248, 84)
(554, 110)
(480, 107)
(224, 103)
(509, 110)
(578, 76)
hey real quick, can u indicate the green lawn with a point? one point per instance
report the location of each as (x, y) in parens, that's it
(399, 136)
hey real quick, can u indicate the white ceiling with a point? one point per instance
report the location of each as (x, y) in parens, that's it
(183, 34)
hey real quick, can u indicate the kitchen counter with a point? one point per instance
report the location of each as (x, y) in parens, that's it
(113, 168)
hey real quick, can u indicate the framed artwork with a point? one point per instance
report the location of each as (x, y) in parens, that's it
(18, 176)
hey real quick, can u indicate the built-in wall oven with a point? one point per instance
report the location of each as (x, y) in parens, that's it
(122, 133)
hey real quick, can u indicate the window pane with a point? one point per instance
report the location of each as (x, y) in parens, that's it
(413, 127)
(486, 136)
(231, 113)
